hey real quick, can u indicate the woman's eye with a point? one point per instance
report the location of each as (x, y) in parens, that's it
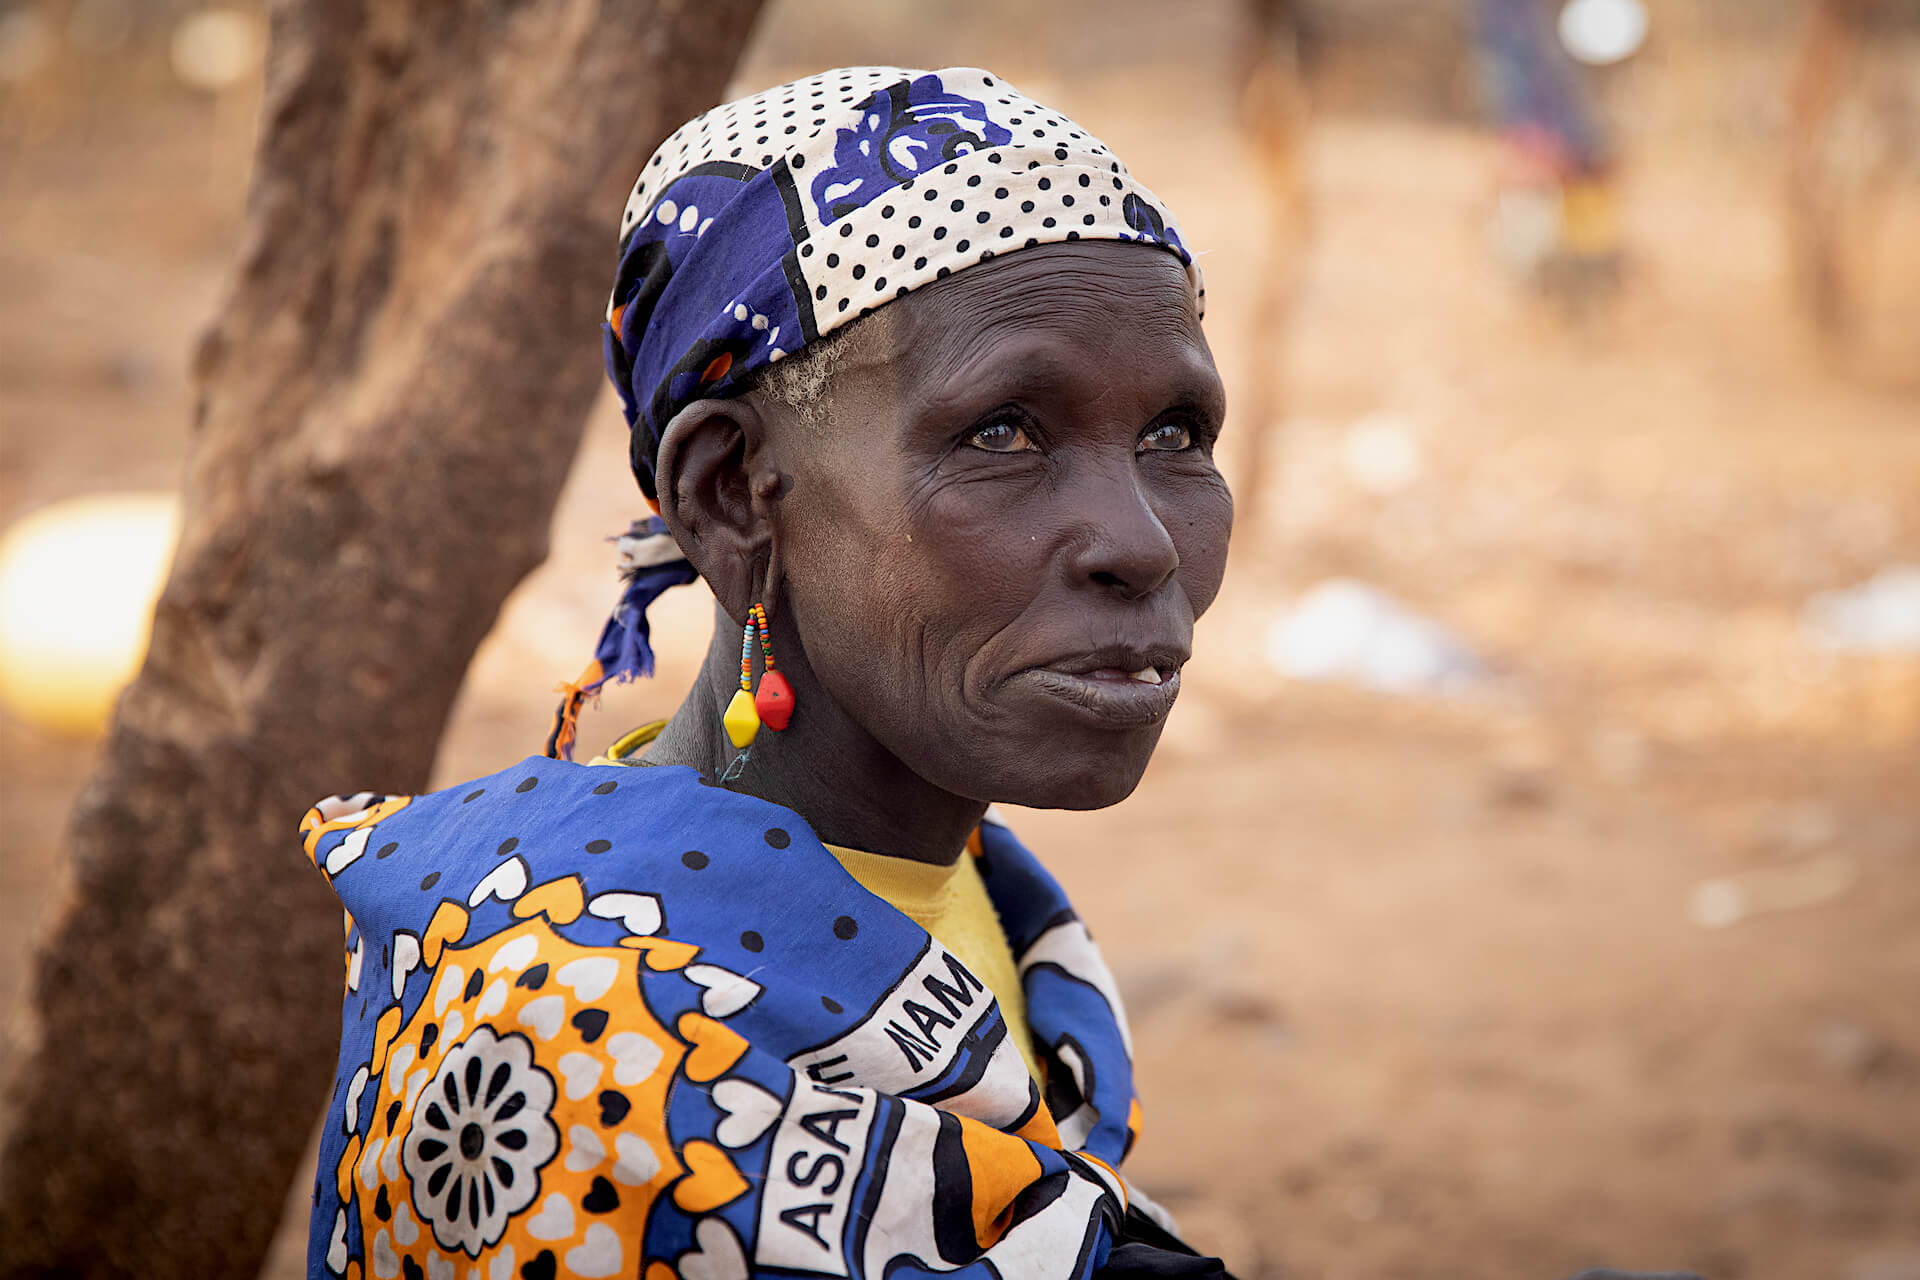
(1001, 437)
(1170, 438)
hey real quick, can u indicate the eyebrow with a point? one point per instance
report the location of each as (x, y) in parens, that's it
(1034, 370)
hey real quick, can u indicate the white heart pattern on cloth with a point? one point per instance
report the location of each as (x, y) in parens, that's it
(438, 1268)
(584, 1149)
(515, 955)
(337, 1246)
(334, 808)
(748, 1109)
(582, 1072)
(452, 979)
(386, 1263)
(415, 1083)
(505, 882)
(634, 1056)
(354, 1088)
(716, 1254)
(555, 1219)
(637, 1163)
(369, 1166)
(598, 1256)
(405, 1229)
(500, 1266)
(544, 1015)
(727, 993)
(590, 976)
(492, 1001)
(638, 913)
(348, 851)
(406, 958)
(390, 1160)
(397, 1063)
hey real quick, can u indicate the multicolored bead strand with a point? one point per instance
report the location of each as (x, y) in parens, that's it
(742, 721)
(774, 701)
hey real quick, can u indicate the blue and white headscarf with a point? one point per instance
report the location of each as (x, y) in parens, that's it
(768, 223)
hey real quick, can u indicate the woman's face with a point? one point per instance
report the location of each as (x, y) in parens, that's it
(995, 551)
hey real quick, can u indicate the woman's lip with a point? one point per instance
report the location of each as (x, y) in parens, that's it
(1119, 702)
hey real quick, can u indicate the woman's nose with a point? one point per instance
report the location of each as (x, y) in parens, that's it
(1126, 548)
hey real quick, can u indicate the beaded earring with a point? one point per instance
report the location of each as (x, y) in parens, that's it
(774, 698)
(773, 703)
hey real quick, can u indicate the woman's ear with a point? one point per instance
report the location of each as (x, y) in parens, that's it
(713, 467)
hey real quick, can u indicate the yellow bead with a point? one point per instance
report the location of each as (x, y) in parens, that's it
(741, 719)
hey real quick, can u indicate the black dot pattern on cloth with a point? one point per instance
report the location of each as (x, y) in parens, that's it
(847, 145)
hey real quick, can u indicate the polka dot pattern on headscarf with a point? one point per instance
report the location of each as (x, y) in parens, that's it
(768, 223)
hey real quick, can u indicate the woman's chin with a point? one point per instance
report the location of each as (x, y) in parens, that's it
(1093, 778)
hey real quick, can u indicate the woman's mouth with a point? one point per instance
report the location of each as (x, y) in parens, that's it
(1145, 675)
(1117, 697)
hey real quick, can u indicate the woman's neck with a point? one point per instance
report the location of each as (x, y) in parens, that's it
(823, 766)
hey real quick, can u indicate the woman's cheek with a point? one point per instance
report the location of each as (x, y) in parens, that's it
(1201, 538)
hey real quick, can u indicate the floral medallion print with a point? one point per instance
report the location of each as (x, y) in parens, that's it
(481, 1135)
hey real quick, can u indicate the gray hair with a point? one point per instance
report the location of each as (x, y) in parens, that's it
(802, 383)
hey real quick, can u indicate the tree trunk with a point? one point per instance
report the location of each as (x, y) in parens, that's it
(388, 402)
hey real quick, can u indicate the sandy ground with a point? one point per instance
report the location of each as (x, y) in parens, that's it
(1415, 981)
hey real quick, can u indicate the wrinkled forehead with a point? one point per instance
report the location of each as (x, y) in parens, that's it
(1069, 332)
(1096, 309)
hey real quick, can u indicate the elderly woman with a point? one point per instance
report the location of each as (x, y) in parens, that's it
(917, 386)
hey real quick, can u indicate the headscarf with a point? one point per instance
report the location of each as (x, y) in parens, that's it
(765, 224)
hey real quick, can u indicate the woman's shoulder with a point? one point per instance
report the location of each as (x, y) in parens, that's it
(532, 823)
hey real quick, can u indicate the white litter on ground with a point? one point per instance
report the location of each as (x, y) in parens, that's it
(1346, 630)
(1727, 900)
(1381, 454)
(1881, 615)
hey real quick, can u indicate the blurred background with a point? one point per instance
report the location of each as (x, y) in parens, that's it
(1530, 874)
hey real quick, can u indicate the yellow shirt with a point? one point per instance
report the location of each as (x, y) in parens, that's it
(951, 903)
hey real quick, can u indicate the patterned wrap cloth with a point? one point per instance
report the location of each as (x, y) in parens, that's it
(768, 223)
(614, 1021)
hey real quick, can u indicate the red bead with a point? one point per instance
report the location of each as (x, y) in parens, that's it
(774, 700)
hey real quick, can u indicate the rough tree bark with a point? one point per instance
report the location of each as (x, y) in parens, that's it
(388, 401)
(1274, 114)
(1825, 69)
